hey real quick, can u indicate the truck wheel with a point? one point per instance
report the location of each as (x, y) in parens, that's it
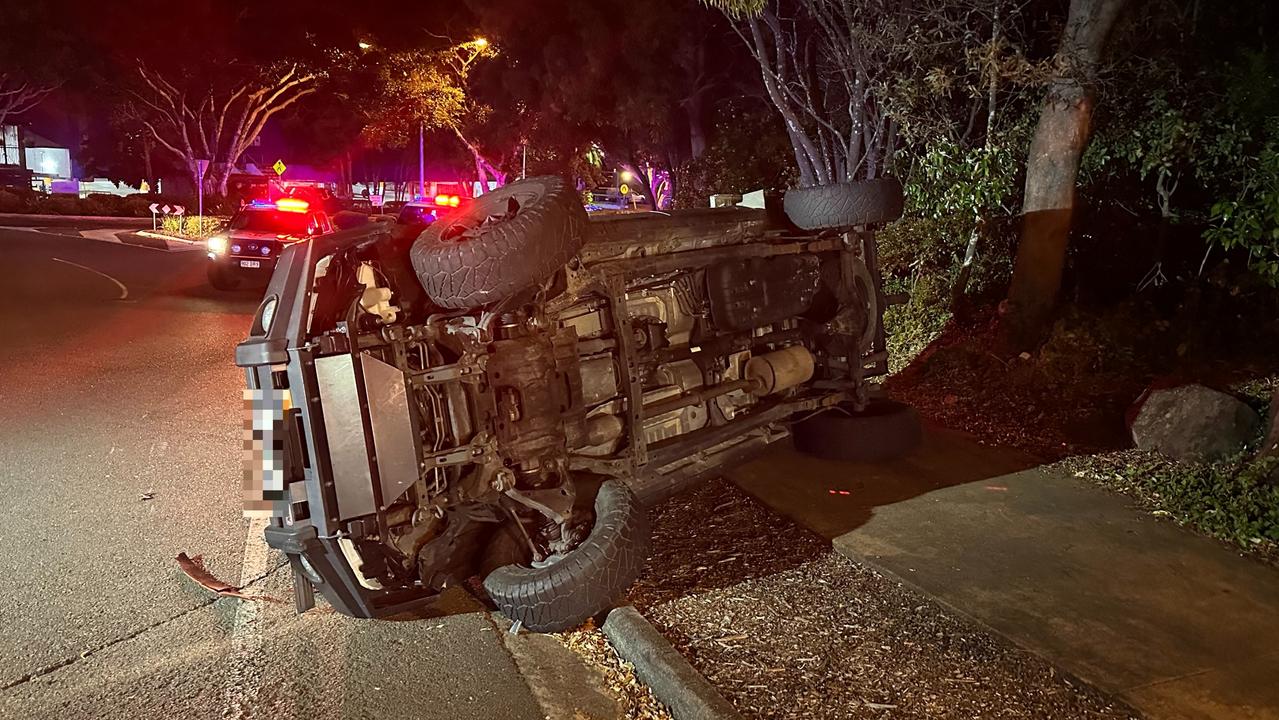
(502, 243)
(584, 582)
(827, 207)
(220, 279)
(885, 430)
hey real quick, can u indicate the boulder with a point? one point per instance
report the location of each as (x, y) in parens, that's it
(1192, 423)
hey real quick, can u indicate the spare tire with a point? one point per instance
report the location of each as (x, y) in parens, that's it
(500, 244)
(885, 430)
(843, 205)
(585, 581)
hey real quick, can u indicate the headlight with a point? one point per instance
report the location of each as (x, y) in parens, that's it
(217, 244)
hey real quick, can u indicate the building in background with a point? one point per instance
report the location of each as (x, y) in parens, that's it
(46, 159)
(13, 166)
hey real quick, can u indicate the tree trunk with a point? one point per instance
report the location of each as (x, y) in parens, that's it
(146, 165)
(1060, 138)
(640, 179)
(696, 126)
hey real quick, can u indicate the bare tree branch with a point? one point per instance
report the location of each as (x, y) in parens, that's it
(193, 130)
(18, 96)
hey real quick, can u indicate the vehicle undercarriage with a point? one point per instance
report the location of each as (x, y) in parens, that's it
(507, 407)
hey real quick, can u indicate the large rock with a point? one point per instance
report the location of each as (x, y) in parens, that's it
(1193, 423)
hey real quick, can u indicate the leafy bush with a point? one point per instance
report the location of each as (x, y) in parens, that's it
(1213, 133)
(1235, 500)
(190, 226)
(922, 257)
(60, 205)
(949, 180)
(14, 201)
(107, 204)
(1250, 220)
(91, 206)
(139, 204)
(750, 152)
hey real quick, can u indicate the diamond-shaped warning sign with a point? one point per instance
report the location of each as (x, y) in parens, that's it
(279, 167)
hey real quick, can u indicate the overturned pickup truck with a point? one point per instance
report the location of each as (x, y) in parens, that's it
(502, 396)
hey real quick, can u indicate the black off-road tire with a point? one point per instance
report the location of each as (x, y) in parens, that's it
(885, 430)
(586, 581)
(221, 279)
(827, 207)
(500, 244)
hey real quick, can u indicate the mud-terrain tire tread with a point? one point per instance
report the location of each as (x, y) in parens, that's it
(842, 205)
(588, 579)
(886, 430)
(507, 257)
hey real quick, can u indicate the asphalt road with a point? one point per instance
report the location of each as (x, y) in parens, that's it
(120, 412)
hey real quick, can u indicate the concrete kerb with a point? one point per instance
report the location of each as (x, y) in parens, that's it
(167, 237)
(658, 665)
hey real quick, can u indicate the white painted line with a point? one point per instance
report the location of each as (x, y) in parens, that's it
(124, 291)
(104, 234)
(246, 661)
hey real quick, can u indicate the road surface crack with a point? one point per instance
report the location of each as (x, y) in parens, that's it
(86, 654)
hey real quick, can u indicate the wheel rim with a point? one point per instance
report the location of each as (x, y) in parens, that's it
(497, 207)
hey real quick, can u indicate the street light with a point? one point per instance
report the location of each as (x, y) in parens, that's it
(480, 42)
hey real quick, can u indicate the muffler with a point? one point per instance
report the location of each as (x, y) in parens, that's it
(779, 370)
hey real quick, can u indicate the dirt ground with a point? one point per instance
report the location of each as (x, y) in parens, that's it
(786, 628)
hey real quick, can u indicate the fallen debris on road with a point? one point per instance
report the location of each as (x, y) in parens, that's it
(194, 569)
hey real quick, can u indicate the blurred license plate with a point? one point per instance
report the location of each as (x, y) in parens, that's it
(265, 436)
(251, 263)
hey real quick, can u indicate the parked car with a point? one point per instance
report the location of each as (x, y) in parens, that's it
(420, 213)
(246, 252)
(503, 395)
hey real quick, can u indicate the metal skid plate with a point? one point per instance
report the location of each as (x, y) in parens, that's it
(754, 292)
(392, 432)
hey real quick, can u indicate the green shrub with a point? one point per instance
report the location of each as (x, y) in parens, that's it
(60, 205)
(107, 204)
(91, 206)
(139, 204)
(1235, 500)
(14, 201)
(750, 152)
(922, 257)
(190, 226)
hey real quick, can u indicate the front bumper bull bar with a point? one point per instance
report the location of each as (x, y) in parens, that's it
(306, 523)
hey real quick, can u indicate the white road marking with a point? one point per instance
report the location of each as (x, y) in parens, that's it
(124, 291)
(244, 674)
(104, 234)
(113, 236)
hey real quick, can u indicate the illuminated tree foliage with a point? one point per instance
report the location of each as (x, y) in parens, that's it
(430, 90)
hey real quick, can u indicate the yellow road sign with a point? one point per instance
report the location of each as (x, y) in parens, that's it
(624, 189)
(279, 167)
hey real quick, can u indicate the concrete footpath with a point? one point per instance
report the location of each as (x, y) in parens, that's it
(1175, 624)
